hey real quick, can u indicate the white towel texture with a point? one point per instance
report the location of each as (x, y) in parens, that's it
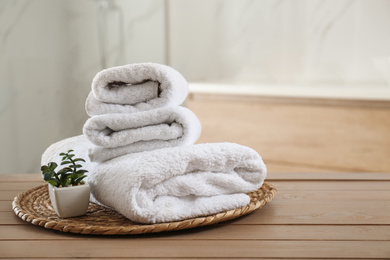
(139, 150)
(174, 183)
(135, 87)
(118, 134)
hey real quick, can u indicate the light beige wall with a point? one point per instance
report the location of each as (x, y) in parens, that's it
(33, 74)
(282, 42)
(49, 53)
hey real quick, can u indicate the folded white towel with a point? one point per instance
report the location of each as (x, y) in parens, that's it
(135, 87)
(175, 183)
(180, 182)
(118, 134)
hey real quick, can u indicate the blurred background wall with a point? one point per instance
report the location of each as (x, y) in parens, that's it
(51, 49)
(49, 53)
(286, 42)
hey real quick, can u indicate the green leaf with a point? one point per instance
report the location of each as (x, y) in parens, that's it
(53, 182)
(48, 175)
(82, 171)
(66, 162)
(79, 160)
(44, 168)
(64, 181)
(80, 174)
(73, 176)
(78, 180)
(70, 151)
(62, 154)
(52, 165)
(64, 171)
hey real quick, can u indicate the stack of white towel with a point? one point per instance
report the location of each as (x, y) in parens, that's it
(134, 108)
(140, 152)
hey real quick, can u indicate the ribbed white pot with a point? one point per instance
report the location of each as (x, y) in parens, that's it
(70, 201)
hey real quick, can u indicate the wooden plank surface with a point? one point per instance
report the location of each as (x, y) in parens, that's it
(333, 216)
(130, 247)
(191, 258)
(224, 231)
(27, 177)
(285, 213)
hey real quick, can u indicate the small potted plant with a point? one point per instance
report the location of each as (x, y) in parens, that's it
(69, 194)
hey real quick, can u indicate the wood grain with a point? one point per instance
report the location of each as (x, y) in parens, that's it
(223, 232)
(26, 177)
(322, 207)
(314, 215)
(130, 247)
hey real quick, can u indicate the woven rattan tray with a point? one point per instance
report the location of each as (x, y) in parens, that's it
(34, 206)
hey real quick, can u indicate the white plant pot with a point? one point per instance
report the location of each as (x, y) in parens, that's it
(70, 201)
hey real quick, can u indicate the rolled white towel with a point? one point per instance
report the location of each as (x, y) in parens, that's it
(135, 87)
(119, 134)
(177, 183)
(170, 184)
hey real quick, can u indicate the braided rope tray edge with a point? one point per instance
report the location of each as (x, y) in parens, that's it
(34, 206)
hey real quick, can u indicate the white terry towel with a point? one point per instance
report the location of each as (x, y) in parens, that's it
(170, 184)
(119, 134)
(135, 87)
(177, 183)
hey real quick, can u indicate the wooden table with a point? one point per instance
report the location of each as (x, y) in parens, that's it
(345, 215)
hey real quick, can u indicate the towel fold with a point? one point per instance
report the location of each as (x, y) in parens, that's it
(118, 134)
(135, 87)
(175, 183)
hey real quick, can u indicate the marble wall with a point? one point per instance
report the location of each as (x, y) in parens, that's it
(51, 49)
(304, 42)
(49, 53)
